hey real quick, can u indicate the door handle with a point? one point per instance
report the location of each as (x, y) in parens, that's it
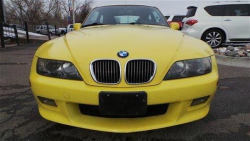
(227, 20)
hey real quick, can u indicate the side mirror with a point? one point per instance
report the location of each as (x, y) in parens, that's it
(77, 26)
(175, 26)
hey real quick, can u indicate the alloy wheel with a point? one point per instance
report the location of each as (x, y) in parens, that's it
(214, 39)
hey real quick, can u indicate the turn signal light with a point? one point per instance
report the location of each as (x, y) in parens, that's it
(47, 101)
(191, 22)
(199, 101)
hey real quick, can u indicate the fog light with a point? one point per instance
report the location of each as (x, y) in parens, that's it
(199, 101)
(47, 101)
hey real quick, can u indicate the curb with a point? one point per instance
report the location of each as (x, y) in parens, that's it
(233, 61)
(23, 40)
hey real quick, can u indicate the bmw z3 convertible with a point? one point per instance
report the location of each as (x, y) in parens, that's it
(124, 70)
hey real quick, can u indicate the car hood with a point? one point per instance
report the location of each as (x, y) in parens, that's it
(159, 44)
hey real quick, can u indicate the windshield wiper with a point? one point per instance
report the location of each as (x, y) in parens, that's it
(93, 24)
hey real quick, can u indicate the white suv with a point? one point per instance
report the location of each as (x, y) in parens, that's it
(219, 22)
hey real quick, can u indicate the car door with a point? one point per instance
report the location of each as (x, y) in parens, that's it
(44, 29)
(38, 29)
(41, 29)
(236, 22)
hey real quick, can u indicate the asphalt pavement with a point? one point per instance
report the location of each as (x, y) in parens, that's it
(228, 119)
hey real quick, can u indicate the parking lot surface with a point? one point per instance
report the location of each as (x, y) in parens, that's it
(228, 119)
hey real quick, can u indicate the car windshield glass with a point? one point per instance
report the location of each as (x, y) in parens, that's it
(111, 15)
(51, 27)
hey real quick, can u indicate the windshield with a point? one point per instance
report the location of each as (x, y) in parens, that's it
(178, 18)
(51, 27)
(111, 15)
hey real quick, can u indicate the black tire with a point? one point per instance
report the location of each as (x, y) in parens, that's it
(62, 33)
(214, 37)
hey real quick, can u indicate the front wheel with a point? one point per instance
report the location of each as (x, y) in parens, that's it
(214, 37)
(63, 33)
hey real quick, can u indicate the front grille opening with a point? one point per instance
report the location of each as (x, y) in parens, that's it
(140, 71)
(152, 110)
(106, 71)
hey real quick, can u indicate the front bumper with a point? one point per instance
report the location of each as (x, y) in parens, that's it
(177, 93)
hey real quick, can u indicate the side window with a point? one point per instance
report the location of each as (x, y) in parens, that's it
(237, 10)
(41, 27)
(215, 10)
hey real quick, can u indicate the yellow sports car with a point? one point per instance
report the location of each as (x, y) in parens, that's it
(124, 70)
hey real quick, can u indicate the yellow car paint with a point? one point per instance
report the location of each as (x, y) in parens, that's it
(163, 45)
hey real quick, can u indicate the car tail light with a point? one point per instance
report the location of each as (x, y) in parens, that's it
(191, 22)
(180, 24)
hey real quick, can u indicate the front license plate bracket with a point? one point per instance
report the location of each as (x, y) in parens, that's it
(123, 104)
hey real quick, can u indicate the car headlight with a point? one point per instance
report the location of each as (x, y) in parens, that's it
(189, 68)
(57, 69)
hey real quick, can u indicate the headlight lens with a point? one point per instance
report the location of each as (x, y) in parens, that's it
(58, 69)
(189, 68)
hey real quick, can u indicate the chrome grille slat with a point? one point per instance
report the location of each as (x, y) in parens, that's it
(139, 71)
(111, 73)
(102, 66)
(149, 68)
(134, 72)
(100, 71)
(118, 73)
(142, 71)
(106, 71)
(105, 74)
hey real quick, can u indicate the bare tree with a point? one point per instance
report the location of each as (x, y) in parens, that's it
(37, 12)
(82, 9)
(20, 10)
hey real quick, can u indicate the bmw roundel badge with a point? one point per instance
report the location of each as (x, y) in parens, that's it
(123, 54)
